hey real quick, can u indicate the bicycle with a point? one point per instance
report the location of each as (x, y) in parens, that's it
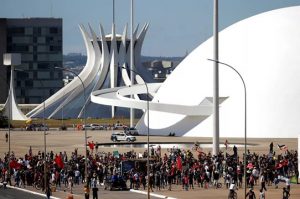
(232, 195)
(37, 185)
(219, 185)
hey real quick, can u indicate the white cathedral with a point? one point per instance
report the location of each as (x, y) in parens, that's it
(106, 55)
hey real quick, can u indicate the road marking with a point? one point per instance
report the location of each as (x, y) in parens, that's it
(28, 191)
(151, 194)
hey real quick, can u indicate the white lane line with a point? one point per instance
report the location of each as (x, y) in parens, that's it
(151, 194)
(28, 191)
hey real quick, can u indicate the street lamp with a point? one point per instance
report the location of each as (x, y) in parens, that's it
(12, 59)
(148, 165)
(245, 117)
(44, 127)
(131, 60)
(84, 115)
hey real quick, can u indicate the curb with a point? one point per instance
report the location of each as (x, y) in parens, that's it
(151, 194)
(28, 191)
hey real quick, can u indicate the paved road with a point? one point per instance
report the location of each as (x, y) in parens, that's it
(122, 194)
(103, 194)
(16, 194)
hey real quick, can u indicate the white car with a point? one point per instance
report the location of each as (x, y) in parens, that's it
(131, 131)
(119, 126)
(121, 136)
(87, 127)
(96, 127)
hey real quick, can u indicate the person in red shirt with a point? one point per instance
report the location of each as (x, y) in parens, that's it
(186, 182)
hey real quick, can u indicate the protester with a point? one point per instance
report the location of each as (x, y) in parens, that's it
(177, 166)
(251, 194)
(86, 191)
(285, 193)
(262, 194)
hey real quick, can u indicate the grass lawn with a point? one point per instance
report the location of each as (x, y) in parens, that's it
(53, 123)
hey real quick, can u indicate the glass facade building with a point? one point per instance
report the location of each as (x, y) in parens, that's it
(39, 41)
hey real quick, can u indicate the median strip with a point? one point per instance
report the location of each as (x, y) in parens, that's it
(151, 194)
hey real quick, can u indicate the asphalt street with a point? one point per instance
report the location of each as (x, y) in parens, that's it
(9, 193)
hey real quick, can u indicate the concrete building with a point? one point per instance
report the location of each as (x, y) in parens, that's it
(39, 40)
(263, 52)
(108, 60)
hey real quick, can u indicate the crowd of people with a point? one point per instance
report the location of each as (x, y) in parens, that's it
(186, 168)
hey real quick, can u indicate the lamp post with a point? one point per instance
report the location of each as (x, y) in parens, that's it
(216, 134)
(84, 115)
(148, 165)
(131, 60)
(12, 59)
(10, 117)
(44, 127)
(245, 117)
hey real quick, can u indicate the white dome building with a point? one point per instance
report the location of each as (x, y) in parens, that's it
(264, 49)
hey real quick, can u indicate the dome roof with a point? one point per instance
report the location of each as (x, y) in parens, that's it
(264, 49)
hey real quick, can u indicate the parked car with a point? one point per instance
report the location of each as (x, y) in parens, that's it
(121, 136)
(87, 127)
(119, 126)
(131, 131)
(42, 127)
(37, 127)
(30, 127)
(96, 127)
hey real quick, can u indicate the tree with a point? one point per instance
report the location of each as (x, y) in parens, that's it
(3, 120)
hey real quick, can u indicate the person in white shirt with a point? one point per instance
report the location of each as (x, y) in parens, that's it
(262, 194)
(232, 189)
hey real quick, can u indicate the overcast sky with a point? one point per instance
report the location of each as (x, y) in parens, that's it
(176, 26)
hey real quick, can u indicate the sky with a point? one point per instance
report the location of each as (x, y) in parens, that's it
(176, 26)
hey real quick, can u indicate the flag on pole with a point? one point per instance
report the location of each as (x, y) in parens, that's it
(58, 160)
(282, 147)
(91, 145)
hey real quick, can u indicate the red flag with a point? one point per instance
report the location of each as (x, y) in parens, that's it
(179, 163)
(91, 145)
(59, 162)
(250, 165)
(14, 164)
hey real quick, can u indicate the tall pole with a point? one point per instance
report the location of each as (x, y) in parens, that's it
(148, 141)
(245, 117)
(11, 59)
(45, 141)
(45, 152)
(10, 114)
(84, 115)
(62, 116)
(44, 135)
(131, 64)
(148, 132)
(216, 82)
